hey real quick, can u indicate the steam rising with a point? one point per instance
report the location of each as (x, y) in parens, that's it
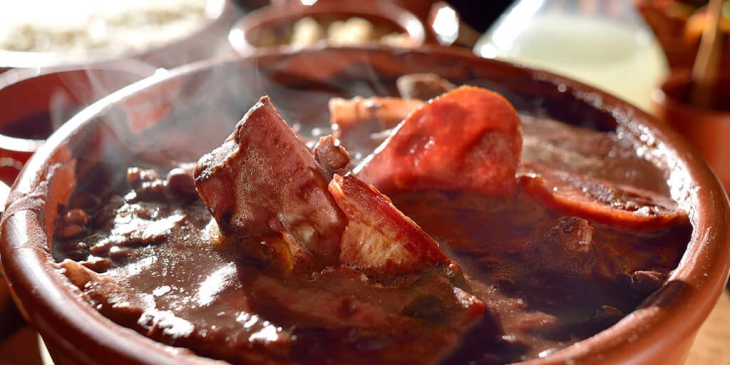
(154, 126)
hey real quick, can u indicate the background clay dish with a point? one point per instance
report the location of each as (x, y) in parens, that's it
(36, 102)
(245, 32)
(205, 42)
(196, 107)
(706, 129)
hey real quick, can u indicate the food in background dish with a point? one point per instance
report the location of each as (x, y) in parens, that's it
(673, 19)
(83, 26)
(348, 32)
(678, 25)
(471, 234)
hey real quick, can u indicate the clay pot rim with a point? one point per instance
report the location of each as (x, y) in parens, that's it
(217, 12)
(275, 14)
(669, 316)
(680, 78)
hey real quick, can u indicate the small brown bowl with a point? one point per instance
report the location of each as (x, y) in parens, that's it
(207, 41)
(244, 37)
(707, 129)
(36, 102)
(204, 101)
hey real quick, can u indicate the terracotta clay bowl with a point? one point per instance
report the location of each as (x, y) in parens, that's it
(281, 16)
(192, 109)
(207, 41)
(707, 129)
(36, 101)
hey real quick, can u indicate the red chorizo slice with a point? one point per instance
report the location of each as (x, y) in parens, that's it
(468, 139)
(599, 200)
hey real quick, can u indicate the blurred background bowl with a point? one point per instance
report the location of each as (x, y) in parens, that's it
(278, 19)
(207, 40)
(678, 25)
(37, 101)
(707, 129)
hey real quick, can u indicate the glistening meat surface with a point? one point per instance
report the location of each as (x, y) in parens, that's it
(264, 180)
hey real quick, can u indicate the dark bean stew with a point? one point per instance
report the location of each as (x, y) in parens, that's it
(471, 235)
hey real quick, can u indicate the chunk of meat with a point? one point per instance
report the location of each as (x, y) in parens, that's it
(358, 121)
(114, 299)
(474, 223)
(598, 200)
(422, 321)
(379, 240)
(626, 251)
(333, 158)
(264, 181)
(423, 86)
(468, 139)
(567, 248)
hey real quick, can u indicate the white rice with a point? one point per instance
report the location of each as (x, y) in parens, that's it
(83, 26)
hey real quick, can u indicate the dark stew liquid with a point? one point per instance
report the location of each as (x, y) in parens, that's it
(150, 259)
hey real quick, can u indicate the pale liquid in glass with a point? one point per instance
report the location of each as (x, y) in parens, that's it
(624, 60)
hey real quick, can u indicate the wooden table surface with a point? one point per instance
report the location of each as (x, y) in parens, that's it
(712, 345)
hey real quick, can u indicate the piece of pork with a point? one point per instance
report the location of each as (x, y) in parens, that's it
(358, 122)
(362, 122)
(423, 86)
(264, 181)
(333, 158)
(468, 139)
(421, 322)
(567, 249)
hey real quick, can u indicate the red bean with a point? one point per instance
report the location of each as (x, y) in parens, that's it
(135, 175)
(75, 216)
(647, 281)
(77, 251)
(180, 181)
(97, 264)
(69, 230)
(151, 190)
